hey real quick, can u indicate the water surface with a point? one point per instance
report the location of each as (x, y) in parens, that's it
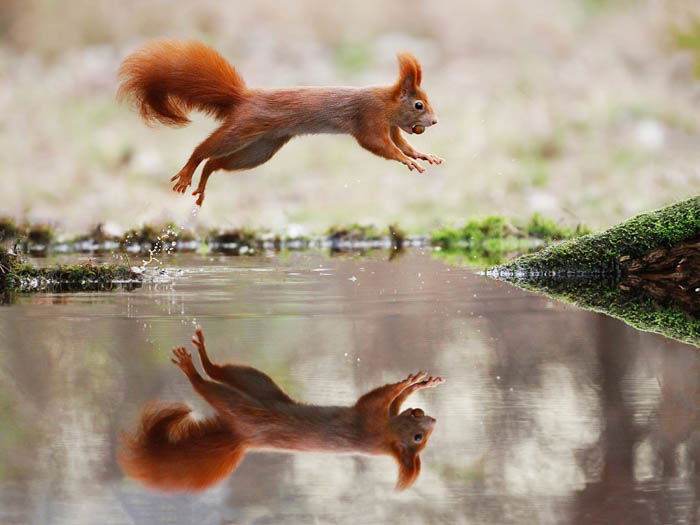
(550, 414)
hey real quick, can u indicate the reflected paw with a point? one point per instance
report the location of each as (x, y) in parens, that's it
(183, 359)
(198, 339)
(432, 382)
(414, 378)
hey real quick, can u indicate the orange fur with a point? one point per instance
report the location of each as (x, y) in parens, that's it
(167, 78)
(170, 451)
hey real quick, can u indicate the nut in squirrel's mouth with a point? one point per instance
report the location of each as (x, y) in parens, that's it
(416, 128)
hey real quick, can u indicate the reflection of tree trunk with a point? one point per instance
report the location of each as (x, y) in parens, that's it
(619, 435)
(612, 498)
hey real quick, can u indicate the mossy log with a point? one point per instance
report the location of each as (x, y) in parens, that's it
(645, 271)
(604, 252)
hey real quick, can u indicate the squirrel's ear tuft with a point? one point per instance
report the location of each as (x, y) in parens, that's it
(410, 73)
(409, 466)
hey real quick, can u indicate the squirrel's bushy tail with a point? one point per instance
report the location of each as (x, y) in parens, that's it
(172, 451)
(165, 79)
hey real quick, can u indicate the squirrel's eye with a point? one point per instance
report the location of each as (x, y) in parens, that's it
(418, 104)
(417, 412)
(418, 438)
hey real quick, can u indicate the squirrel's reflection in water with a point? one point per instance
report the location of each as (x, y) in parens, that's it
(172, 451)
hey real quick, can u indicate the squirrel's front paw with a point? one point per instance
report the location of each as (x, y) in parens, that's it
(429, 157)
(412, 164)
(184, 180)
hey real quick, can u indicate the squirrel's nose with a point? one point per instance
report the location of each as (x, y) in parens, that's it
(434, 121)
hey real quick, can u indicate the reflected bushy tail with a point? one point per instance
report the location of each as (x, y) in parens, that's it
(171, 451)
(166, 79)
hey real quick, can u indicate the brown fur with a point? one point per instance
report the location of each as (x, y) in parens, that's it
(166, 78)
(170, 451)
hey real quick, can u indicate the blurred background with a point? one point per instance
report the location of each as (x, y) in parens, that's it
(584, 110)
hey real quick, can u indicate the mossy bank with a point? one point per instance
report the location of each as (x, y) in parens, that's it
(19, 275)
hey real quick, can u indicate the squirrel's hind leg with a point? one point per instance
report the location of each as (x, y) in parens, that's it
(221, 396)
(252, 155)
(210, 167)
(219, 144)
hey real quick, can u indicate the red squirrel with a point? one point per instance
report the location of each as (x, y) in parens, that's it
(171, 451)
(166, 79)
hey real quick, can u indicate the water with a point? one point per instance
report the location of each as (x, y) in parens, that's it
(550, 414)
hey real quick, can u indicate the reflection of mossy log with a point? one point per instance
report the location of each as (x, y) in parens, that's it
(633, 306)
(600, 253)
(17, 275)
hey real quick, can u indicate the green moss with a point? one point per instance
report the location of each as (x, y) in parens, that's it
(495, 227)
(97, 235)
(600, 252)
(157, 238)
(540, 227)
(240, 236)
(488, 253)
(355, 232)
(240, 241)
(632, 307)
(40, 234)
(16, 274)
(446, 237)
(179, 234)
(146, 234)
(8, 228)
